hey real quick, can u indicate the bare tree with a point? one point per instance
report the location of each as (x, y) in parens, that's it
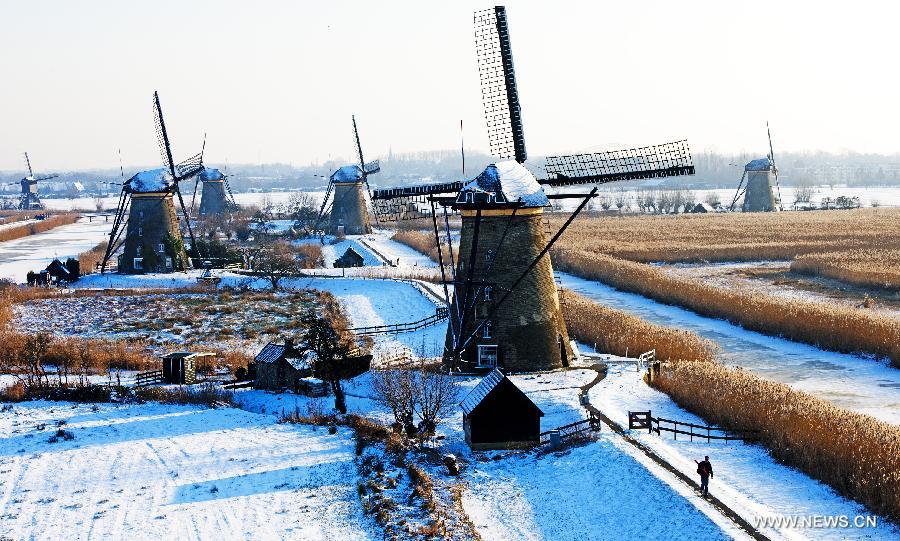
(397, 389)
(275, 261)
(621, 198)
(712, 199)
(438, 395)
(803, 194)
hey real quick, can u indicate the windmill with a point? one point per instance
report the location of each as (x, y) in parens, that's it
(216, 196)
(28, 199)
(345, 193)
(145, 226)
(504, 309)
(757, 192)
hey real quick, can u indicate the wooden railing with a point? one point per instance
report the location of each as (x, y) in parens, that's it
(644, 420)
(143, 379)
(439, 316)
(571, 430)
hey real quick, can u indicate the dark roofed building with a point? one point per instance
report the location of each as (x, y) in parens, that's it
(179, 367)
(351, 258)
(498, 415)
(283, 366)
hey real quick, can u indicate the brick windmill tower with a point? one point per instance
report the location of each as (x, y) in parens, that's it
(146, 226)
(29, 200)
(346, 195)
(215, 197)
(504, 308)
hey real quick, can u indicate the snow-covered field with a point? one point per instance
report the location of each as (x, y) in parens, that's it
(746, 478)
(849, 381)
(173, 472)
(35, 252)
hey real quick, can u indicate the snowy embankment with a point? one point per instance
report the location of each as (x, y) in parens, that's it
(396, 251)
(747, 479)
(173, 472)
(848, 381)
(35, 252)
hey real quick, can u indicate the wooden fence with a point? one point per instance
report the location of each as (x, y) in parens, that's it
(143, 379)
(571, 430)
(644, 420)
(439, 316)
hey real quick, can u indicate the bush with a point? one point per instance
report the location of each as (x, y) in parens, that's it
(207, 394)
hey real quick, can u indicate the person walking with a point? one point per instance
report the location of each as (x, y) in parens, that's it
(705, 470)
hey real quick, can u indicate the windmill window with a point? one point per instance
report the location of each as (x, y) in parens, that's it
(160, 248)
(169, 263)
(486, 330)
(141, 214)
(140, 231)
(488, 293)
(139, 263)
(489, 257)
(139, 250)
(487, 356)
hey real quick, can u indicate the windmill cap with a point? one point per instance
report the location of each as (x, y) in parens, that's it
(762, 164)
(510, 181)
(154, 180)
(347, 173)
(208, 173)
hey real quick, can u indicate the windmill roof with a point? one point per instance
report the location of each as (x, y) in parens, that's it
(484, 387)
(511, 179)
(762, 164)
(154, 180)
(208, 173)
(347, 173)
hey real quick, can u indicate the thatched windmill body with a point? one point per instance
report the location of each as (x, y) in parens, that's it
(346, 195)
(28, 199)
(759, 184)
(146, 225)
(504, 307)
(215, 196)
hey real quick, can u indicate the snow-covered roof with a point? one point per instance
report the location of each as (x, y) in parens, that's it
(347, 173)
(762, 164)
(270, 353)
(484, 387)
(511, 181)
(208, 173)
(154, 180)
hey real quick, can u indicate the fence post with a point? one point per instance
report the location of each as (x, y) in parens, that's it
(675, 433)
(650, 421)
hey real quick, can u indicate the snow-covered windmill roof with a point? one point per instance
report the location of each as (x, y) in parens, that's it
(154, 180)
(762, 164)
(208, 173)
(347, 173)
(511, 179)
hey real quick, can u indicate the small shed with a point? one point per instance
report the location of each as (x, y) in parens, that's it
(351, 258)
(703, 208)
(283, 366)
(498, 415)
(58, 272)
(180, 367)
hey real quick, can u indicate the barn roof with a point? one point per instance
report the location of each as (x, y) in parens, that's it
(512, 180)
(270, 353)
(154, 180)
(187, 355)
(350, 252)
(762, 164)
(347, 173)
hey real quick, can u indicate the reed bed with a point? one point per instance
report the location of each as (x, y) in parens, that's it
(732, 236)
(12, 233)
(422, 241)
(866, 268)
(855, 454)
(89, 261)
(613, 331)
(827, 326)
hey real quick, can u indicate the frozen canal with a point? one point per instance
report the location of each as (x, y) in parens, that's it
(849, 381)
(35, 252)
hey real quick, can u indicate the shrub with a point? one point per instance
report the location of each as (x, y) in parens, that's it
(207, 394)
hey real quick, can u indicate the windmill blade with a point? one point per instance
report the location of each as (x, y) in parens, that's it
(187, 220)
(194, 198)
(739, 192)
(774, 166)
(189, 167)
(372, 167)
(406, 203)
(162, 136)
(44, 177)
(28, 163)
(359, 152)
(667, 160)
(499, 93)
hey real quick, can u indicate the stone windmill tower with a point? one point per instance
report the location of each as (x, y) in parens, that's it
(28, 199)
(216, 196)
(346, 196)
(504, 308)
(146, 227)
(757, 183)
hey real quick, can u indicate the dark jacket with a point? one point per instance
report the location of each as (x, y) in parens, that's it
(704, 468)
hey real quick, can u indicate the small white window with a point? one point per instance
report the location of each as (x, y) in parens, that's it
(487, 356)
(169, 263)
(140, 231)
(488, 293)
(489, 258)
(160, 248)
(139, 250)
(486, 329)
(139, 263)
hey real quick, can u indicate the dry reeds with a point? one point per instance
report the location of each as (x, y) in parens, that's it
(89, 261)
(866, 268)
(12, 233)
(422, 241)
(855, 454)
(832, 327)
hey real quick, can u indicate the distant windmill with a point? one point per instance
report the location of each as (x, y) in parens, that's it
(216, 196)
(346, 196)
(28, 199)
(146, 223)
(758, 193)
(505, 308)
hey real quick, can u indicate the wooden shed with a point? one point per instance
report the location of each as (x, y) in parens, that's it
(351, 258)
(179, 367)
(498, 415)
(282, 366)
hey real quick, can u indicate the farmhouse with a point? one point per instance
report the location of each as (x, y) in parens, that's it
(498, 415)
(351, 258)
(283, 366)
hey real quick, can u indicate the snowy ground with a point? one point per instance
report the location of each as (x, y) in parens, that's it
(746, 478)
(20, 223)
(35, 252)
(333, 250)
(173, 472)
(849, 381)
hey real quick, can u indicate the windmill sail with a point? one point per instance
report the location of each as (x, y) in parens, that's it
(667, 160)
(499, 93)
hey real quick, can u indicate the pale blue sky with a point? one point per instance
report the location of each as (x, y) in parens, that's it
(277, 81)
